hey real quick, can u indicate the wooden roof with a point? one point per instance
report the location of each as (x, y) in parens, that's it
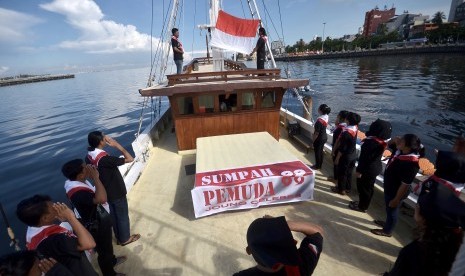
(222, 81)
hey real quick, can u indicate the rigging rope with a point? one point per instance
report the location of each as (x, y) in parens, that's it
(193, 29)
(288, 73)
(243, 11)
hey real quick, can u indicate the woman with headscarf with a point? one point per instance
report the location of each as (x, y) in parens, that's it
(369, 162)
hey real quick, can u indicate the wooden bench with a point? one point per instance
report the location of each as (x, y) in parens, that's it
(303, 140)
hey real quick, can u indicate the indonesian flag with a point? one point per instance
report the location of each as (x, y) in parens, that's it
(234, 34)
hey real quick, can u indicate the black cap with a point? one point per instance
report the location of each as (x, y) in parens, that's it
(270, 242)
(381, 129)
(440, 205)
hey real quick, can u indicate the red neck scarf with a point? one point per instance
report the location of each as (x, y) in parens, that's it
(404, 157)
(95, 156)
(352, 130)
(35, 235)
(323, 119)
(379, 141)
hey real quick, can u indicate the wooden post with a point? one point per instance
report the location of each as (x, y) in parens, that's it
(308, 101)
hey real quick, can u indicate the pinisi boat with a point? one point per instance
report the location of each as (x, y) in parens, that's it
(225, 128)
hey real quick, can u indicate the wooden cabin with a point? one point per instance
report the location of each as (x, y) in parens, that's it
(238, 100)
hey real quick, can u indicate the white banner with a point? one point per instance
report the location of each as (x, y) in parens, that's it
(251, 187)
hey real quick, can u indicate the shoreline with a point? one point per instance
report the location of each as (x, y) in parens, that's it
(18, 81)
(428, 49)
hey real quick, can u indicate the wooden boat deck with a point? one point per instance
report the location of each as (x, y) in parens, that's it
(173, 242)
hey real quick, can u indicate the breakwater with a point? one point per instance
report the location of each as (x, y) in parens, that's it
(427, 49)
(16, 81)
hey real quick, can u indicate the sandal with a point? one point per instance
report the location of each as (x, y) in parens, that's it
(120, 260)
(380, 232)
(337, 191)
(132, 239)
(379, 222)
(355, 207)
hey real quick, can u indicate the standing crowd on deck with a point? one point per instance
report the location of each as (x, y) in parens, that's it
(440, 208)
(59, 240)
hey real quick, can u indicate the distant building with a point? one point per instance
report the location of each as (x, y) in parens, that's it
(277, 47)
(403, 23)
(374, 18)
(453, 9)
(420, 29)
(460, 14)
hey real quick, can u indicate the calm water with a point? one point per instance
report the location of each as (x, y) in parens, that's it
(43, 125)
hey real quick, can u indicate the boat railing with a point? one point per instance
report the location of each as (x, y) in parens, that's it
(264, 74)
(234, 65)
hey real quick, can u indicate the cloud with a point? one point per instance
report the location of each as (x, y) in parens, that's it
(15, 26)
(97, 35)
(291, 3)
(3, 69)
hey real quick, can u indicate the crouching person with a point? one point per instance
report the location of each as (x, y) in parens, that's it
(52, 240)
(271, 244)
(31, 263)
(90, 202)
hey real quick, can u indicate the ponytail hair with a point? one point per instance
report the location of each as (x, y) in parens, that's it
(325, 109)
(94, 138)
(343, 115)
(353, 118)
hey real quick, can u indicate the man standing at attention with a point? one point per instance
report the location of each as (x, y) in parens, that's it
(260, 48)
(113, 182)
(178, 51)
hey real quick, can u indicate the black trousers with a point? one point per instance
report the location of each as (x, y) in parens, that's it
(260, 63)
(103, 239)
(365, 187)
(345, 169)
(318, 146)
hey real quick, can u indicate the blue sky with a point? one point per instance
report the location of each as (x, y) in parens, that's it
(63, 36)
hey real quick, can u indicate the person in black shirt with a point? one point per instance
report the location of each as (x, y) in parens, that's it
(346, 154)
(113, 182)
(340, 125)
(260, 48)
(271, 244)
(178, 50)
(54, 241)
(369, 162)
(399, 174)
(319, 135)
(31, 263)
(86, 199)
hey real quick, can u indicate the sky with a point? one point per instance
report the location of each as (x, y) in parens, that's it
(69, 36)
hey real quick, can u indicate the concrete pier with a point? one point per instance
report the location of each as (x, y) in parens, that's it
(16, 81)
(427, 49)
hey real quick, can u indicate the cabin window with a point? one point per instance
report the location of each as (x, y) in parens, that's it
(248, 101)
(268, 99)
(206, 104)
(185, 105)
(228, 102)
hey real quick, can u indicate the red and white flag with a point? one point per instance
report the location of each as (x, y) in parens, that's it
(234, 34)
